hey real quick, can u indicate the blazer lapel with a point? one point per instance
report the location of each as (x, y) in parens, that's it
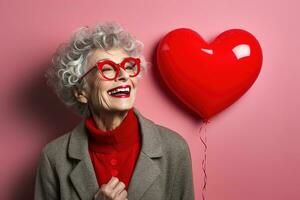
(146, 170)
(82, 176)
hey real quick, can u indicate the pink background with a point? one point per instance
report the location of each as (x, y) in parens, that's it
(253, 150)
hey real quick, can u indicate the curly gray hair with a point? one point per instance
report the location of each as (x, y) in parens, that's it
(70, 59)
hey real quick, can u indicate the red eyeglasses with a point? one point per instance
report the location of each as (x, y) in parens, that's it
(111, 70)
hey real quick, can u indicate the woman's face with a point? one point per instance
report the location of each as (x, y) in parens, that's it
(101, 95)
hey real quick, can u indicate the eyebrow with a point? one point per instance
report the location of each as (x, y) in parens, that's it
(102, 59)
(107, 59)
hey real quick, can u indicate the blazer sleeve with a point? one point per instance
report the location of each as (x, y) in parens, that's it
(183, 187)
(46, 184)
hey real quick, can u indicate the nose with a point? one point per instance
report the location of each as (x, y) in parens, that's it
(123, 75)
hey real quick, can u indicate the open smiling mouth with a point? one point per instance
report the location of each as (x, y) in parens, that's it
(120, 92)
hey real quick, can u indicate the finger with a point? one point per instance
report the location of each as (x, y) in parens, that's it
(122, 195)
(106, 190)
(119, 188)
(113, 182)
(98, 195)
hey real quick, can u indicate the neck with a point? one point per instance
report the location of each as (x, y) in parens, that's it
(108, 120)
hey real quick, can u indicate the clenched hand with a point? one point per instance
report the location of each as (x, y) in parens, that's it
(113, 190)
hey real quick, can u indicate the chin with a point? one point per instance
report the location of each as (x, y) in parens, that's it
(122, 108)
(123, 105)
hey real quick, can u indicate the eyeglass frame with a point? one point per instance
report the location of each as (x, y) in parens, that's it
(99, 65)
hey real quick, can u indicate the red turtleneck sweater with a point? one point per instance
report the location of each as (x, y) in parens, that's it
(115, 152)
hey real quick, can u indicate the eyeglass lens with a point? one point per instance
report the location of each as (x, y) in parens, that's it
(110, 70)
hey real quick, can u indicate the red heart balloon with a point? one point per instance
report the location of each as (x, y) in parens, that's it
(209, 77)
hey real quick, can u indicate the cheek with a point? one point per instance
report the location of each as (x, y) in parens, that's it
(99, 94)
(135, 82)
(101, 87)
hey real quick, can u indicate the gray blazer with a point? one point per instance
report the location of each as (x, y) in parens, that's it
(163, 170)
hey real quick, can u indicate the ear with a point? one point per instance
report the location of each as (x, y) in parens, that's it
(80, 95)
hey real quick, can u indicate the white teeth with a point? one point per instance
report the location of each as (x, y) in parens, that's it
(119, 90)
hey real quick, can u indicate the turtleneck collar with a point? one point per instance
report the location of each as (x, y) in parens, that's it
(118, 139)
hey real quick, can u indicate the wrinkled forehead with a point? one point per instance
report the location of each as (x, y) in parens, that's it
(115, 55)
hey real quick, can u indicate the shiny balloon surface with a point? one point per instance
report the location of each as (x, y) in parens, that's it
(208, 77)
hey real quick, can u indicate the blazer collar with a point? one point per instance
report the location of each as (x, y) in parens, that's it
(151, 140)
(146, 170)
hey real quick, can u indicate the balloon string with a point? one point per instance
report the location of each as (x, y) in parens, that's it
(204, 161)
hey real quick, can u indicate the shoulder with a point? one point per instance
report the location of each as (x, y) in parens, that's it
(57, 143)
(172, 142)
(172, 138)
(69, 145)
(56, 152)
(175, 148)
(56, 147)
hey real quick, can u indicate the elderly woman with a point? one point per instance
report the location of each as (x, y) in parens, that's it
(114, 152)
